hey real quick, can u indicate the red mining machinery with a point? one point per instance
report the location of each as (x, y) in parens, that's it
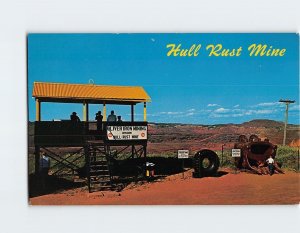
(254, 153)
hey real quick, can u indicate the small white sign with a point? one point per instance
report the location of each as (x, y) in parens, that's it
(183, 154)
(236, 153)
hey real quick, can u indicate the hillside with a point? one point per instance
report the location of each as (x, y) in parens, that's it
(168, 138)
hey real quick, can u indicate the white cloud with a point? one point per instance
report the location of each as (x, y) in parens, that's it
(171, 113)
(294, 107)
(212, 105)
(265, 111)
(214, 115)
(236, 106)
(222, 110)
(190, 114)
(268, 104)
(191, 110)
(237, 115)
(260, 112)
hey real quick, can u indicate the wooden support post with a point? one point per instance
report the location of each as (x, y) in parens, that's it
(132, 113)
(38, 110)
(132, 120)
(85, 112)
(37, 160)
(145, 112)
(145, 154)
(285, 122)
(104, 111)
(145, 151)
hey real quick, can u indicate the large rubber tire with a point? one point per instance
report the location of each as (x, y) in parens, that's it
(213, 166)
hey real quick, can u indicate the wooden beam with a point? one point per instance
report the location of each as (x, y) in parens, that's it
(38, 110)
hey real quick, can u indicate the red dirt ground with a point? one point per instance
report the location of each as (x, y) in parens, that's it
(240, 188)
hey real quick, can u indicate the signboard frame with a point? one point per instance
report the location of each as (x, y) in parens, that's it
(183, 154)
(235, 153)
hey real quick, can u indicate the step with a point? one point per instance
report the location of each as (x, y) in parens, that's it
(98, 161)
(99, 171)
(98, 158)
(96, 148)
(100, 182)
(99, 176)
(98, 165)
(95, 189)
(97, 151)
(102, 186)
(100, 155)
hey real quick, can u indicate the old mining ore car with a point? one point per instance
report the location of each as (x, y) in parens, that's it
(254, 153)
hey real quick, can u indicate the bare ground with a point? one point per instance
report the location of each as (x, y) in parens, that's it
(229, 188)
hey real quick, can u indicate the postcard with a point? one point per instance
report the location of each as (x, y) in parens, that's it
(163, 118)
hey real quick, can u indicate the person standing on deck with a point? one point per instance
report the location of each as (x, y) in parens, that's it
(112, 117)
(119, 119)
(74, 117)
(99, 119)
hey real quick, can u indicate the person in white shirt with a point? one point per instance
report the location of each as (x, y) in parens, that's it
(44, 168)
(270, 161)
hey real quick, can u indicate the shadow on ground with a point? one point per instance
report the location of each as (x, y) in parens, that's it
(220, 174)
(125, 172)
(52, 184)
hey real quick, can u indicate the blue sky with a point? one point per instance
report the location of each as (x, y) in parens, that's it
(198, 90)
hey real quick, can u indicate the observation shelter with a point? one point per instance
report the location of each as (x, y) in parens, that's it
(91, 142)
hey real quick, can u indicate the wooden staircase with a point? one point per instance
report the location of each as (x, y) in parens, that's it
(99, 176)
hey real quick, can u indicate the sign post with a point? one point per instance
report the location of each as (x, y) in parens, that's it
(183, 154)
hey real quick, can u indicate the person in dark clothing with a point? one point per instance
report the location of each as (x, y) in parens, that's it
(99, 119)
(112, 117)
(119, 119)
(74, 117)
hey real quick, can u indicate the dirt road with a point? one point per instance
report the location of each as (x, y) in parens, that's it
(241, 188)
